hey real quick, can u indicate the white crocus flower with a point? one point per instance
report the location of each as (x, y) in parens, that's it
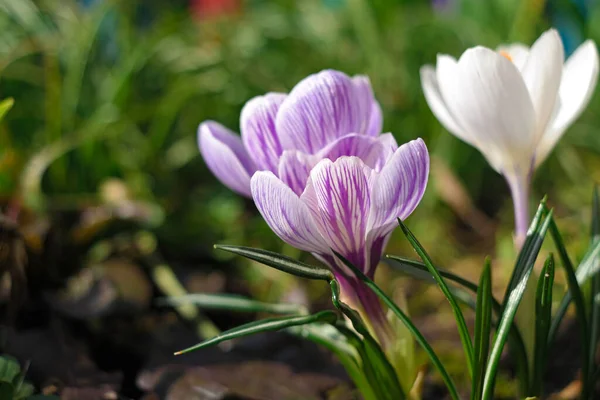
(513, 104)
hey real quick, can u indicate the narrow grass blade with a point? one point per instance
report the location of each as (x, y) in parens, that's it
(232, 303)
(280, 262)
(377, 366)
(418, 270)
(588, 267)
(525, 264)
(265, 325)
(406, 265)
(595, 294)
(483, 325)
(543, 317)
(458, 315)
(580, 309)
(410, 326)
(520, 264)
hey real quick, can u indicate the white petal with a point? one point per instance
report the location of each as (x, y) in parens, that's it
(542, 74)
(580, 75)
(285, 213)
(433, 95)
(492, 103)
(518, 52)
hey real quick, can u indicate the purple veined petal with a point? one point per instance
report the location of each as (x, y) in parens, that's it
(364, 92)
(337, 195)
(398, 188)
(376, 120)
(295, 166)
(294, 169)
(320, 109)
(225, 156)
(285, 213)
(389, 144)
(372, 151)
(257, 125)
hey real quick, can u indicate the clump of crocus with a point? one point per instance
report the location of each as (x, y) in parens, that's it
(322, 176)
(513, 104)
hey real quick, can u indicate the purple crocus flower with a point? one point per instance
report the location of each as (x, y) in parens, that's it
(326, 115)
(323, 177)
(349, 207)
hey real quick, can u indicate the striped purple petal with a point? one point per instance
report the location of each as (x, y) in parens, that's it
(257, 125)
(365, 95)
(398, 188)
(322, 108)
(295, 166)
(225, 156)
(285, 213)
(338, 197)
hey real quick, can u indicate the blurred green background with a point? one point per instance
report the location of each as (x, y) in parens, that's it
(108, 96)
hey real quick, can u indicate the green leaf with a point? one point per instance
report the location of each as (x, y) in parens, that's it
(483, 323)
(543, 317)
(376, 365)
(265, 325)
(344, 344)
(458, 315)
(411, 327)
(418, 270)
(524, 266)
(589, 266)
(577, 295)
(280, 262)
(521, 265)
(595, 295)
(5, 106)
(9, 369)
(232, 303)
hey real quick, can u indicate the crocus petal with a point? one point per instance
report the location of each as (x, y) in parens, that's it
(395, 193)
(389, 142)
(372, 151)
(580, 75)
(294, 169)
(319, 109)
(295, 166)
(398, 188)
(225, 156)
(517, 52)
(338, 197)
(257, 125)
(542, 74)
(433, 95)
(492, 103)
(376, 120)
(285, 214)
(364, 93)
